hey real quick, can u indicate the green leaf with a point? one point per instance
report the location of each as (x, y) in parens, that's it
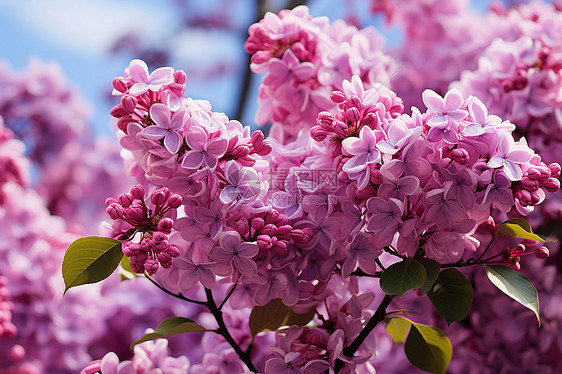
(298, 319)
(171, 326)
(402, 276)
(451, 295)
(515, 285)
(90, 260)
(428, 348)
(270, 316)
(397, 327)
(519, 228)
(126, 272)
(431, 270)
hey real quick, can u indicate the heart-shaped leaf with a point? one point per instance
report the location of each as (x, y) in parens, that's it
(90, 260)
(403, 276)
(451, 295)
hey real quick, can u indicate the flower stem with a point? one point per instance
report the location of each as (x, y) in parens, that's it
(223, 330)
(373, 322)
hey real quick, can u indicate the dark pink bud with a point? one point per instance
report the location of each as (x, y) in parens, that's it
(134, 213)
(271, 216)
(354, 101)
(340, 128)
(535, 197)
(114, 211)
(264, 242)
(269, 229)
(119, 84)
(110, 200)
(164, 259)
(165, 225)
(300, 238)
(542, 253)
(180, 77)
(554, 170)
(175, 201)
(337, 97)
(488, 225)
(282, 220)
(257, 138)
(137, 192)
(533, 173)
(173, 250)
(128, 103)
(159, 197)
(264, 149)
(126, 199)
(280, 247)
(240, 151)
(258, 223)
(118, 111)
(137, 265)
(242, 227)
(460, 155)
(318, 133)
(353, 114)
(528, 183)
(126, 248)
(284, 232)
(151, 266)
(552, 185)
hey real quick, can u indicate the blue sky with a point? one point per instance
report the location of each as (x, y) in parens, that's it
(78, 34)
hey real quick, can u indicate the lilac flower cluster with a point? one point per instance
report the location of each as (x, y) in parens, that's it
(519, 79)
(305, 58)
(149, 357)
(431, 177)
(7, 328)
(40, 106)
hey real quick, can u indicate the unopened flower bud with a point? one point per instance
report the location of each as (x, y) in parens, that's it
(280, 247)
(269, 229)
(110, 200)
(175, 201)
(284, 232)
(542, 253)
(318, 133)
(264, 242)
(137, 192)
(552, 185)
(114, 211)
(165, 225)
(242, 227)
(353, 114)
(173, 250)
(180, 77)
(257, 223)
(151, 266)
(554, 170)
(119, 84)
(337, 97)
(126, 199)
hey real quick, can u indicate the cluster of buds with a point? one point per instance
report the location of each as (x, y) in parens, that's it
(272, 232)
(132, 215)
(512, 256)
(529, 190)
(7, 328)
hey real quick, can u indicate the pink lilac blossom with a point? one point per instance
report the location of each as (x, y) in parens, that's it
(305, 58)
(233, 225)
(518, 79)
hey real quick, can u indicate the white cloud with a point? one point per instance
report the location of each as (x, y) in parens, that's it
(89, 26)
